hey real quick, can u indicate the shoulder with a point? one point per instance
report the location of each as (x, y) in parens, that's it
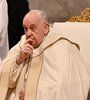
(62, 44)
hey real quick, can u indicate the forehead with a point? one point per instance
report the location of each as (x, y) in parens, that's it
(32, 19)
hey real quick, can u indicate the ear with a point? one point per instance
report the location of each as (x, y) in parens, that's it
(46, 28)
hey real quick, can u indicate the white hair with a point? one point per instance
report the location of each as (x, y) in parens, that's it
(41, 13)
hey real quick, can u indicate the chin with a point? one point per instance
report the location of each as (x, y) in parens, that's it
(36, 46)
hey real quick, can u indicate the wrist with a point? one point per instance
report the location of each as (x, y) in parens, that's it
(19, 60)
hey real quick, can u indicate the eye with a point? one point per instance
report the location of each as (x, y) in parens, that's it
(33, 28)
(25, 29)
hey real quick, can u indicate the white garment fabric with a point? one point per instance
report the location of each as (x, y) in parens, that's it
(4, 47)
(63, 73)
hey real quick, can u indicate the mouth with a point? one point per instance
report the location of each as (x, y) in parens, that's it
(31, 42)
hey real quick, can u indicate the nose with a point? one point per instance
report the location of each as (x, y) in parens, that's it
(29, 33)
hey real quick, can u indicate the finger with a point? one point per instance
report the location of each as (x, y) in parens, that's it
(21, 95)
(30, 41)
(27, 52)
(29, 46)
(26, 48)
(26, 45)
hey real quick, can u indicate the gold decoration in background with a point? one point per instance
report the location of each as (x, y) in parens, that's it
(84, 17)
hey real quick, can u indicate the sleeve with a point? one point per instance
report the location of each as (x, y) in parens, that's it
(14, 74)
(9, 70)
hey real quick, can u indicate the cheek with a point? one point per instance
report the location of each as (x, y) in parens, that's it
(36, 41)
(40, 39)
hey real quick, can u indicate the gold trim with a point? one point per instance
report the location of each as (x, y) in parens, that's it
(84, 17)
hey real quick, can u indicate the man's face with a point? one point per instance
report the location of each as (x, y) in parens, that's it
(35, 29)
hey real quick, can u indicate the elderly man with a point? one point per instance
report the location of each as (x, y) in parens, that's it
(43, 65)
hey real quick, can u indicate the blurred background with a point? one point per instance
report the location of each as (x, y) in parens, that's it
(60, 10)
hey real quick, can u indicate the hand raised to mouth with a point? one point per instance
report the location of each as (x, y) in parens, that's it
(25, 51)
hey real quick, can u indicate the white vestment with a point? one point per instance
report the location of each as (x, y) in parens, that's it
(56, 71)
